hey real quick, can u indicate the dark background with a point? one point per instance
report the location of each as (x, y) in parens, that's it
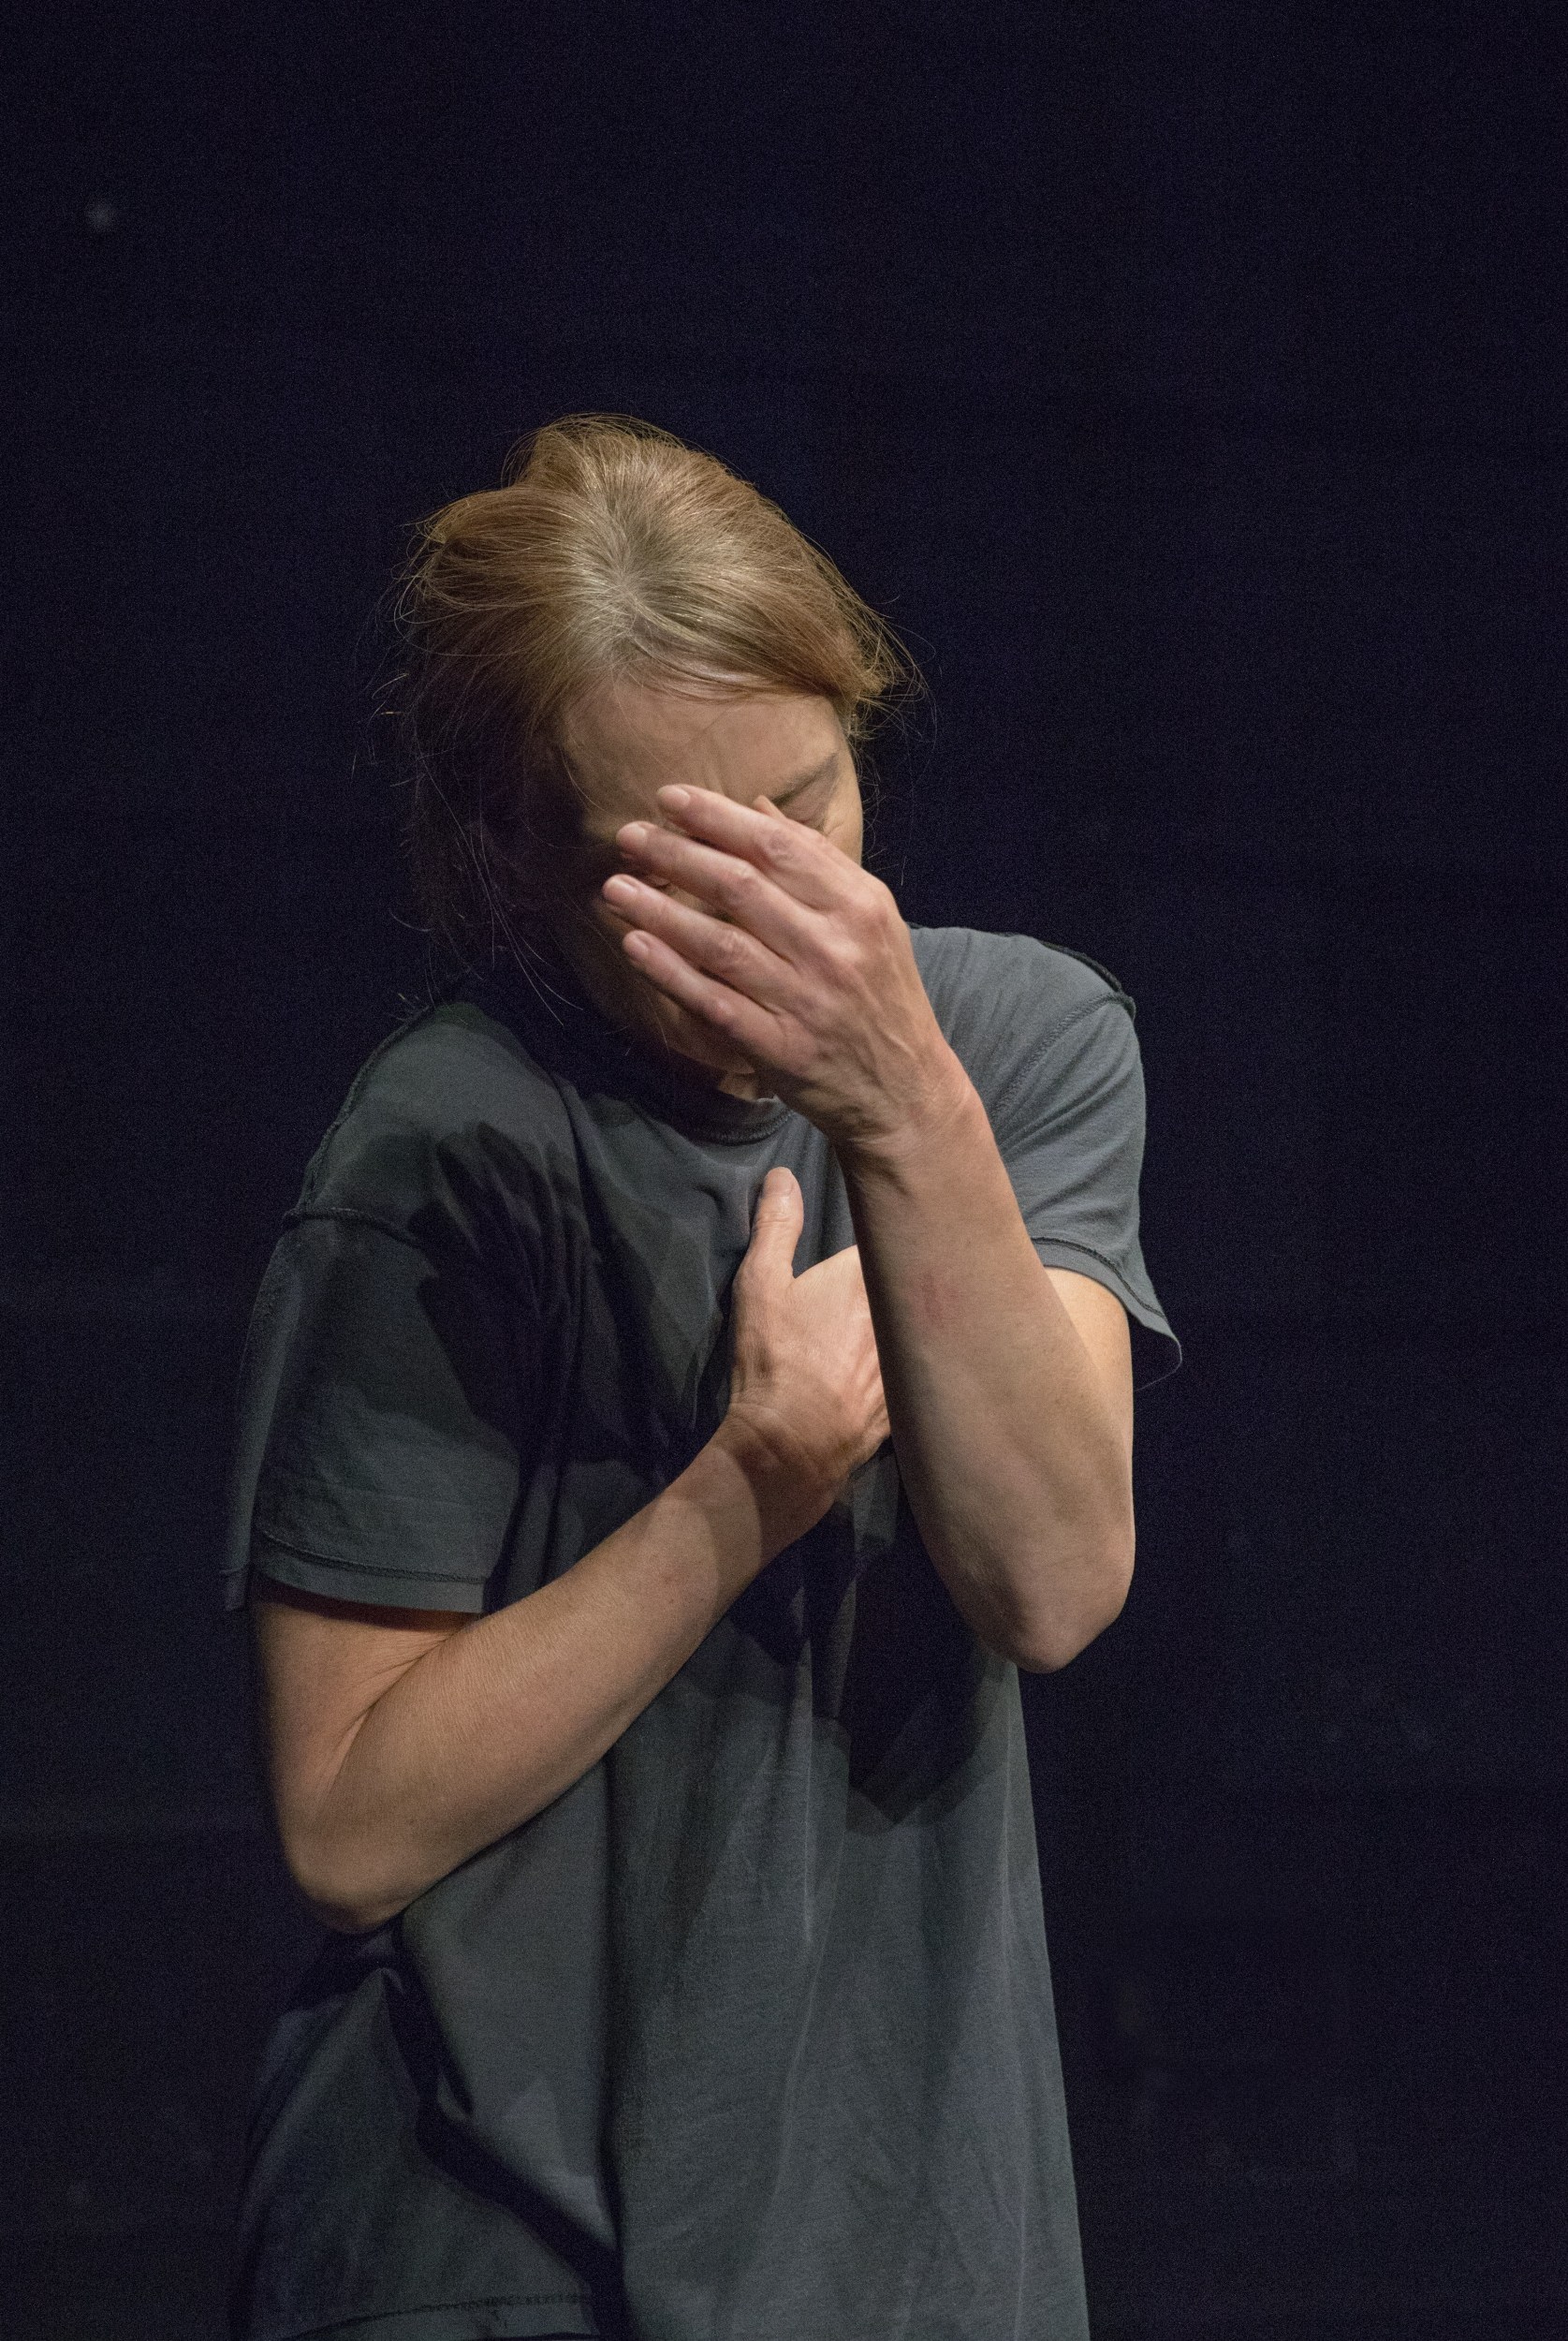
(1187, 383)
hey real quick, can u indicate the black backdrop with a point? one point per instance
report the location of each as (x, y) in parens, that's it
(1187, 383)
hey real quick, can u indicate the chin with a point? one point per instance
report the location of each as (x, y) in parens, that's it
(701, 1047)
(633, 1001)
(682, 1035)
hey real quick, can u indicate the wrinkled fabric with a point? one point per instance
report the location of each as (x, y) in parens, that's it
(749, 2035)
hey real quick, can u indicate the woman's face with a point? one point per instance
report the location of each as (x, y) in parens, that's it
(626, 740)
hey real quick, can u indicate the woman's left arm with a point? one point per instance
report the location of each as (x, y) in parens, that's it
(1010, 1401)
(1010, 1385)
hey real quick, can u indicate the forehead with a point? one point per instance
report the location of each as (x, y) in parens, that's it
(626, 742)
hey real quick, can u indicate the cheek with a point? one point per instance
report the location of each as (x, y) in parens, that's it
(591, 911)
(602, 932)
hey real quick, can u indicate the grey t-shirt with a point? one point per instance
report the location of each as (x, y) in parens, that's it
(749, 2035)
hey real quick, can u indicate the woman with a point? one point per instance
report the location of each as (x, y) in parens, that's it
(697, 1376)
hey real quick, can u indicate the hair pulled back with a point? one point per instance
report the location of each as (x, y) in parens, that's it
(611, 550)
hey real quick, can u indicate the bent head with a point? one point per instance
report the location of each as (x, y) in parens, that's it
(622, 612)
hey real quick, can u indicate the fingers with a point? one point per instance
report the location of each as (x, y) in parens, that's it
(733, 886)
(776, 1223)
(720, 947)
(742, 1022)
(780, 1187)
(798, 858)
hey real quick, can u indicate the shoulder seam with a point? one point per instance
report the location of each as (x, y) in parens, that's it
(1085, 1008)
(436, 1256)
(351, 1097)
(354, 1218)
(1100, 970)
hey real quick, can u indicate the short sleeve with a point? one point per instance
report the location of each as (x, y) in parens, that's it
(1070, 1128)
(384, 1395)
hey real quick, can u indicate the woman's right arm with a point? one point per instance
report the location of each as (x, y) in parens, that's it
(401, 1742)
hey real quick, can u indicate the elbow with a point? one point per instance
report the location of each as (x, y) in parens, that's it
(345, 1914)
(1053, 1636)
(351, 1870)
(343, 1903)
(343, 1917)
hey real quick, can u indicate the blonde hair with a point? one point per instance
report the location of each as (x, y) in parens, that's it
(611, 550)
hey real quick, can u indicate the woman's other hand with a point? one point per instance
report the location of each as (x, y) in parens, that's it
(805, 1378)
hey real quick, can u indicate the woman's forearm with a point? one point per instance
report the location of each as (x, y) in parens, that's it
(1009, 1455)
(508, 1711)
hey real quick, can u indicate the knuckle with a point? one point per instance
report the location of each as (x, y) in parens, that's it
(728, 951)
(877, 913)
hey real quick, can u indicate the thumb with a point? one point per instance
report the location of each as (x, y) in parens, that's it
(776, 1223)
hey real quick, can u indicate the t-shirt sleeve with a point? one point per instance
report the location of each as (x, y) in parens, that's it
(1070, 1128)
(384, 1399)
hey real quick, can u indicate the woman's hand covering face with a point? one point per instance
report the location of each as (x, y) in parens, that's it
(796, 956)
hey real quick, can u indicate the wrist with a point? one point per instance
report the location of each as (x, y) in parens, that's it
(942, 1102)
(789, 1483)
